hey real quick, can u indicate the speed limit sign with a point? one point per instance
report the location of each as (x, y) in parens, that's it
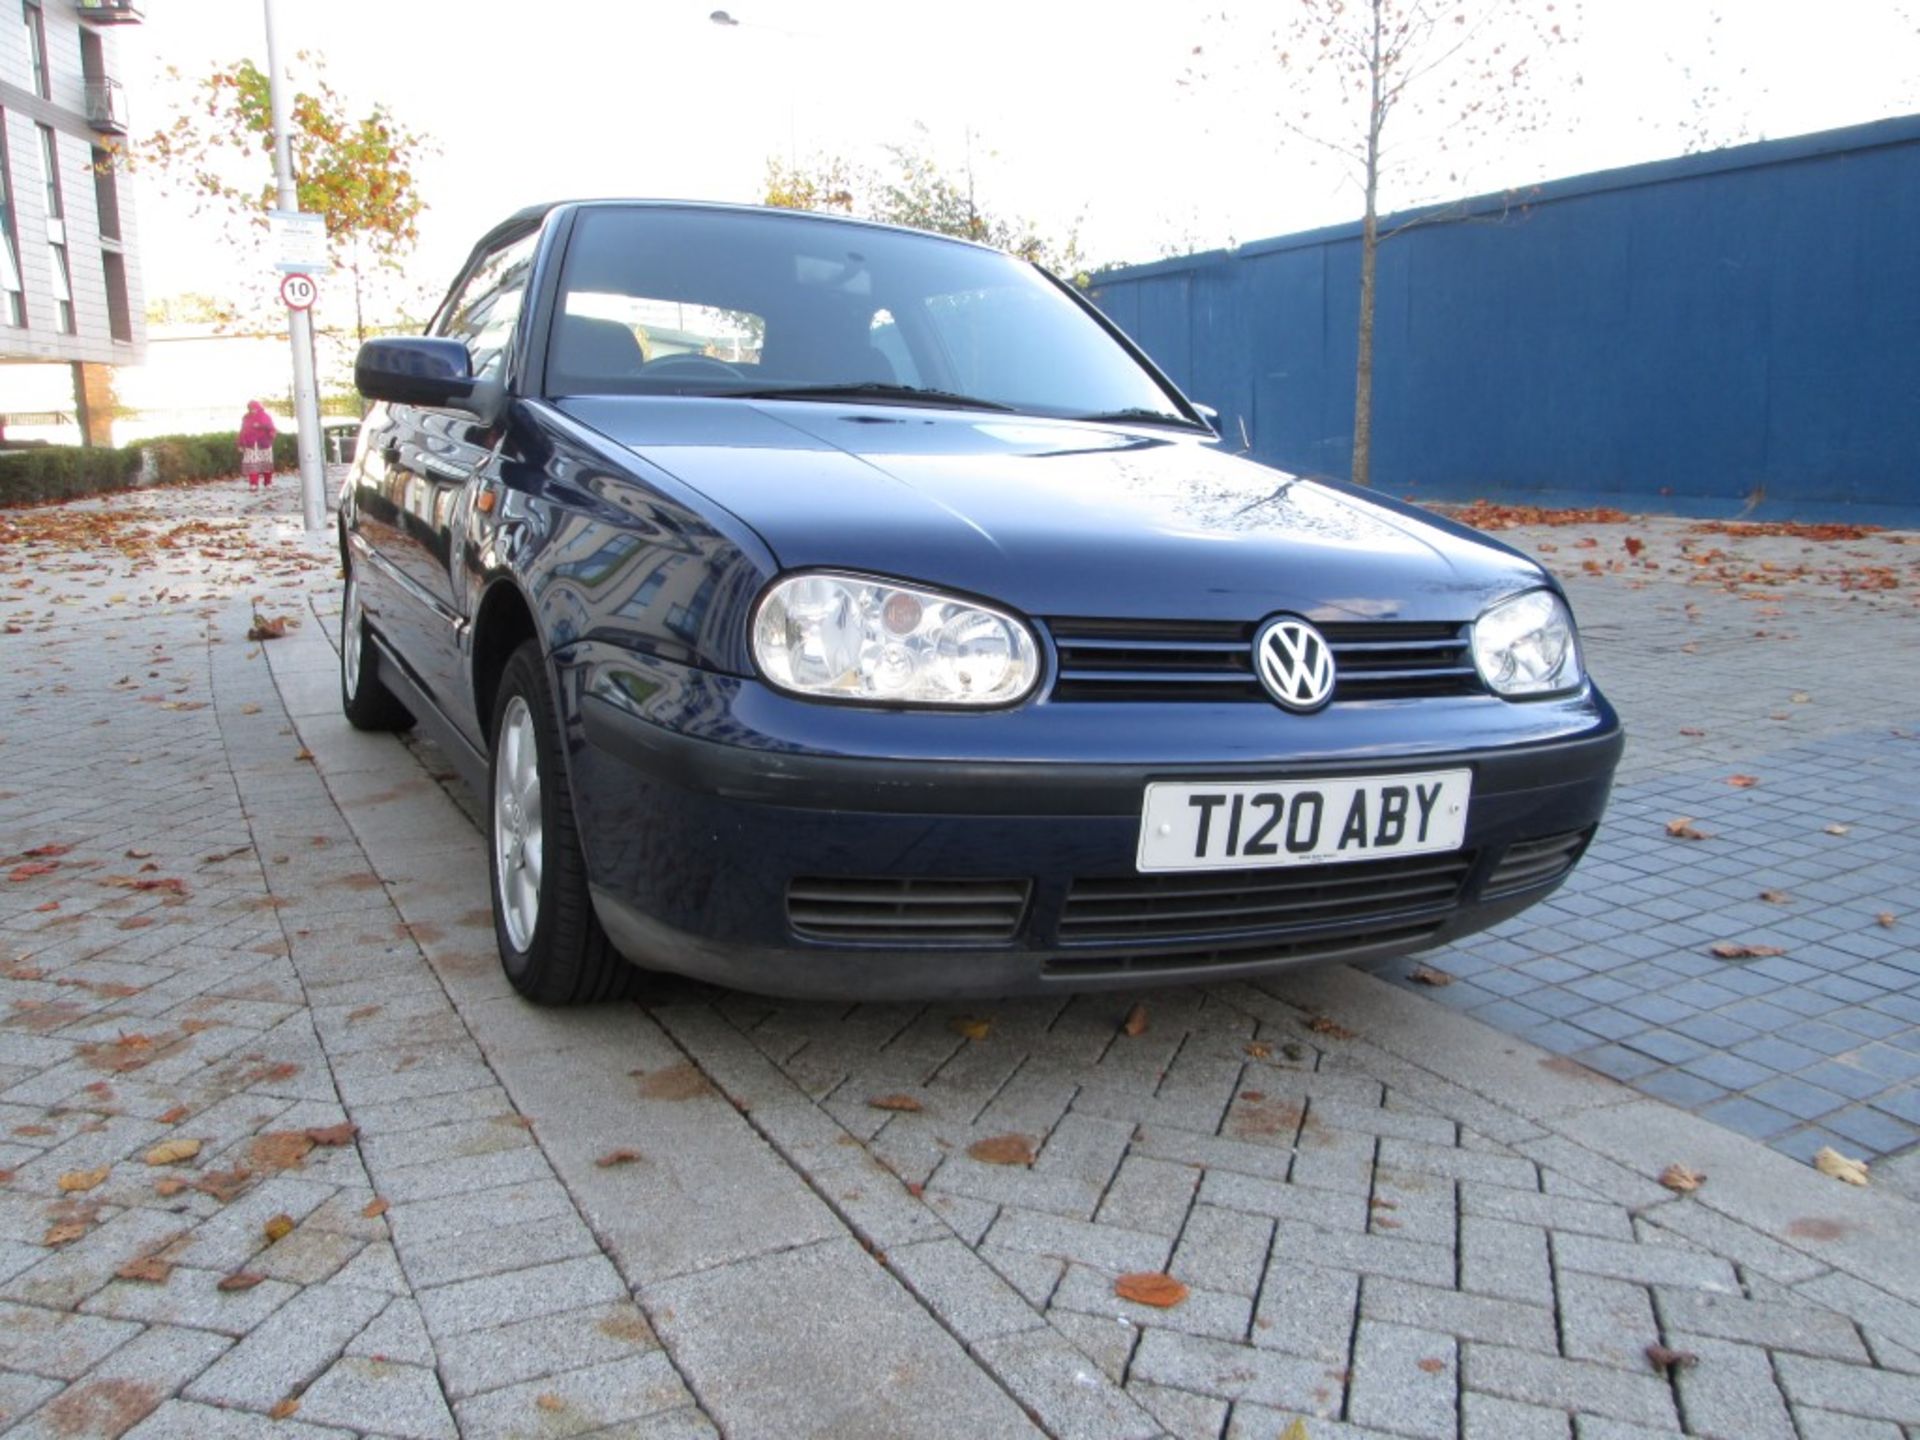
(299, 291)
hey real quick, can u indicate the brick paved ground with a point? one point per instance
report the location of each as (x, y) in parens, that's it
(686, 1216)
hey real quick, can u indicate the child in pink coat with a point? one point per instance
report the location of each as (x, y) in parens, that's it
(256, 433)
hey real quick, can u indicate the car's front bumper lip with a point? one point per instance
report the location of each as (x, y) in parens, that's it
(692, 845)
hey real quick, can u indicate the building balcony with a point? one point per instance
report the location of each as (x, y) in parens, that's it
(110, 12)
(107, 105)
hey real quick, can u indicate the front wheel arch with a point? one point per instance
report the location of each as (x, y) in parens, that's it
(502, 622)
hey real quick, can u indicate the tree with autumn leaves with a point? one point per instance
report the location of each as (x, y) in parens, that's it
(913, 188)
(1403, 89)
(355, 171)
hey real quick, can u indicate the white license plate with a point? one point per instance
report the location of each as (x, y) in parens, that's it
(1302, 822)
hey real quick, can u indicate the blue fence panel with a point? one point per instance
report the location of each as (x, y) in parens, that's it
(1704, 330)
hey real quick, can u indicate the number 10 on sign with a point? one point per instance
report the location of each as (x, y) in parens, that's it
(299, 291)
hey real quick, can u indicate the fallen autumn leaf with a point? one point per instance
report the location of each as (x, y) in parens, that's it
(1734, 950)
(1665, 1360)
(1681, 1179)
(1829, 1161)
(1152, 1287)
(1002, 1150)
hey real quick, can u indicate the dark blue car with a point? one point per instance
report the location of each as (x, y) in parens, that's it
(832, 609)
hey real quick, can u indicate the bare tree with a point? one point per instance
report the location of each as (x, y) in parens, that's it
(1397, 89)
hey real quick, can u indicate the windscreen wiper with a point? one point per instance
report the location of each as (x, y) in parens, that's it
(873, 390)
(1138, 412)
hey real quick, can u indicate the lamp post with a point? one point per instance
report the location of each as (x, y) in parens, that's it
(306, 391)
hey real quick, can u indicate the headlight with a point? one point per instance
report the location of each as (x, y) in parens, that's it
(851, 637)
(1526, 646)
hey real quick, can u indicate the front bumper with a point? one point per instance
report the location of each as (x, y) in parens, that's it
(707, 856)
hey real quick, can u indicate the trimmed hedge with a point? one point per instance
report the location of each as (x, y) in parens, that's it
(68, 472)
(64, 472)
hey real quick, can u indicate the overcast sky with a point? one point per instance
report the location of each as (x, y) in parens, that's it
(1074, 109)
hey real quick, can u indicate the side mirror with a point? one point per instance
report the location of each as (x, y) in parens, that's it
(1208, 414)
(425, 370)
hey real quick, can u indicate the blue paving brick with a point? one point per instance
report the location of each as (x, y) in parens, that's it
(1867, 1021)
(1749, 1117)
(1903, 1102)
(1762, 1015)
(1783, 969)
(1877, 1131)
(1556, 1002)
(1797, 1097)
(1689, 962)
(1614, 1060)
(1867, 947)
(1849, 1080)
(1728, 1070)
(1714, 1030)
(1804, 1002)
(1680, 1088)
(1602, 989)
(1744, 982)
(1887, 1061)
(1658, 1009)
(1555, 1035)
(1840, 987)
(1509, 1015)
(1607, 1023)
(1776, 1052)
(1667, 1045)
(1507, 982)
(1703, 994)
(1550, 971)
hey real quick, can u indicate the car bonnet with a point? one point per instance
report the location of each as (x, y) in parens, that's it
(1055, 517)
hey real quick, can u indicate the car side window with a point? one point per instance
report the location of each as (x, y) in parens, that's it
(488, 306)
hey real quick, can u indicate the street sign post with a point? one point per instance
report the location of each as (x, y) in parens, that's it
(301, 250)
(298, 292)
(299, 242)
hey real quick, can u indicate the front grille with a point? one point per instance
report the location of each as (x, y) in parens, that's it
(1528, 863)
(1359, 945)
(914, 912)
(1141, 907)
(1187, 660)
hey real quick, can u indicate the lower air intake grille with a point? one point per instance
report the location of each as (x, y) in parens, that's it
(1359, 945)
(1139, 907)
(916, 912)
(1528, 863)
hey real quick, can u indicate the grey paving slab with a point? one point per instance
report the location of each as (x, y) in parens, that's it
(765, 1338)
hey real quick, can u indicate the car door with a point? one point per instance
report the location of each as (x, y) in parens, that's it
(418, 482)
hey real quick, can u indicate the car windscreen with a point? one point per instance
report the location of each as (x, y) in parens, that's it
(658, 300)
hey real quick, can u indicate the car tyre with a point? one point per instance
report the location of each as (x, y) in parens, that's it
(364, 696)
(551, 943)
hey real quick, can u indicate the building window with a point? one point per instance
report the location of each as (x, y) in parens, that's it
(37, 47)
(119, 313)
(13, 309)
(106, 193)
(57, 232)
